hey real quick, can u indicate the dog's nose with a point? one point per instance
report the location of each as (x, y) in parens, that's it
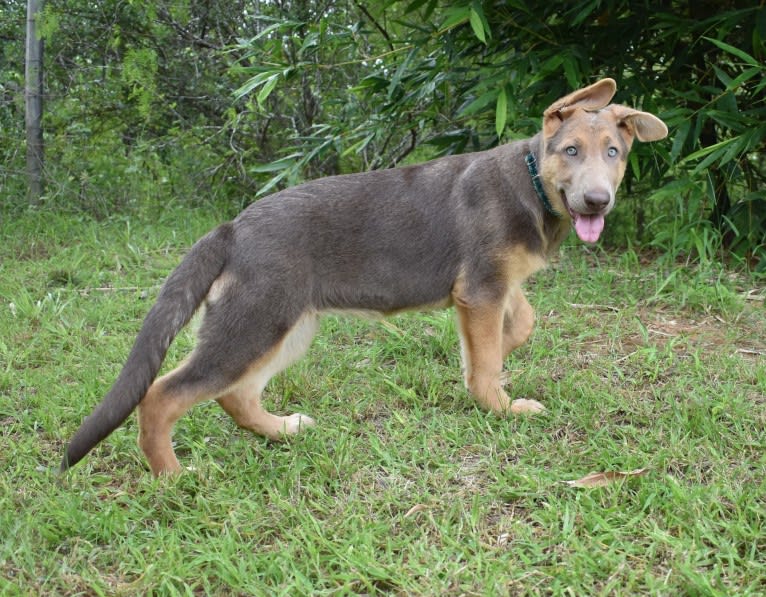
(597, 199)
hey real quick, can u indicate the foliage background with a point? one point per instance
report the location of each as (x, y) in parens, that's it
(151, 105)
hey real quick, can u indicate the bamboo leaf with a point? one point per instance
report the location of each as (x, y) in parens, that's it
(750, 73)
(455, 16)
(634, 165)
(271, 29)
(276, 165)
(571, 72)
(267, 88)
(400, 72)
(735, 52)
(707, 150)
(479, 22)
(413, 6)
(253, 83)
(682, 133)
(501, 112)
(359, 146)
(476, 25)
(586, 13)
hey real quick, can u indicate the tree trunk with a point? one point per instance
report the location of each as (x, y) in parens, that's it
(34, 102)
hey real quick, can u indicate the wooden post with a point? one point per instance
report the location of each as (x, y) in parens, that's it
(34, 102)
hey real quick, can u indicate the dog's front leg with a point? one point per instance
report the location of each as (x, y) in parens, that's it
(482, 341)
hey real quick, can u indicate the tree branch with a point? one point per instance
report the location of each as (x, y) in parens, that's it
(375, 23)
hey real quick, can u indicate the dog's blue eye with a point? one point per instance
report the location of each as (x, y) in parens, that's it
(571, 150)
(612, 152)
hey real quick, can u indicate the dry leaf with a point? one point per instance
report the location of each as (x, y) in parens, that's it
(604, 479)
(415, 509)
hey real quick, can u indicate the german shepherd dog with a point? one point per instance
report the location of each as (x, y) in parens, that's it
(464, 230)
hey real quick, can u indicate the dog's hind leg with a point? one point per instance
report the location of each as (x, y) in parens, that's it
(248, 334)
(234, 377)
(245, 408)
(243, 402)
(168, 398)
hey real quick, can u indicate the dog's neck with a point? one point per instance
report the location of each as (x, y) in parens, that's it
(537, 183)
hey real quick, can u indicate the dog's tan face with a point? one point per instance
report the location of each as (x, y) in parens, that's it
(585, 152)
(584, 162)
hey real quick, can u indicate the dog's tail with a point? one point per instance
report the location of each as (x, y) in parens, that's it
(179, 298)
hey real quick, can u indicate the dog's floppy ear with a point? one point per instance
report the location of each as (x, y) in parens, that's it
(641, 125)
(593, 97)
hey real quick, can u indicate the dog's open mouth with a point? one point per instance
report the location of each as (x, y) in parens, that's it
(588, 226)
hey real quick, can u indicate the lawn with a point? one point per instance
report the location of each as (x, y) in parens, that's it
(404, 487)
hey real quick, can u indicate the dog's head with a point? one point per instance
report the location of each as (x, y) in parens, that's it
(585, 146)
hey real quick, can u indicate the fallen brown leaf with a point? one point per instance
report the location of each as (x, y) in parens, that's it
(415, 509)
(604, 479)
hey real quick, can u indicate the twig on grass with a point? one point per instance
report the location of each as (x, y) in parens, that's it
(751, 351)
(85, 291)
(594, 307)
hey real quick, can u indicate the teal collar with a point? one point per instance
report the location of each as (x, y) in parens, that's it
(537, 183)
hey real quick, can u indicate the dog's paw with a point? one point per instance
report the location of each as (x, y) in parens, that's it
(523, 406)
(296, 423)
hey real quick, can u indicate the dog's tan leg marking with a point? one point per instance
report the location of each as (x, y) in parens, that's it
(248, 413)
(518, 322)
(157, 413)
(243, 403)
(481, 342)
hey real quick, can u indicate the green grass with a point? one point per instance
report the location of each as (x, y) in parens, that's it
(404, 487)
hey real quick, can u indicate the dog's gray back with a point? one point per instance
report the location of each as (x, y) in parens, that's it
(393, 239)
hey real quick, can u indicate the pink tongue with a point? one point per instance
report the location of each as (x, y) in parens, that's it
(589, 228)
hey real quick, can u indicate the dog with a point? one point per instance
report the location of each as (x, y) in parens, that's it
(463, 231)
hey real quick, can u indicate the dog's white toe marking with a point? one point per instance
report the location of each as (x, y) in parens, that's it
(522, 405)
(296, 423)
